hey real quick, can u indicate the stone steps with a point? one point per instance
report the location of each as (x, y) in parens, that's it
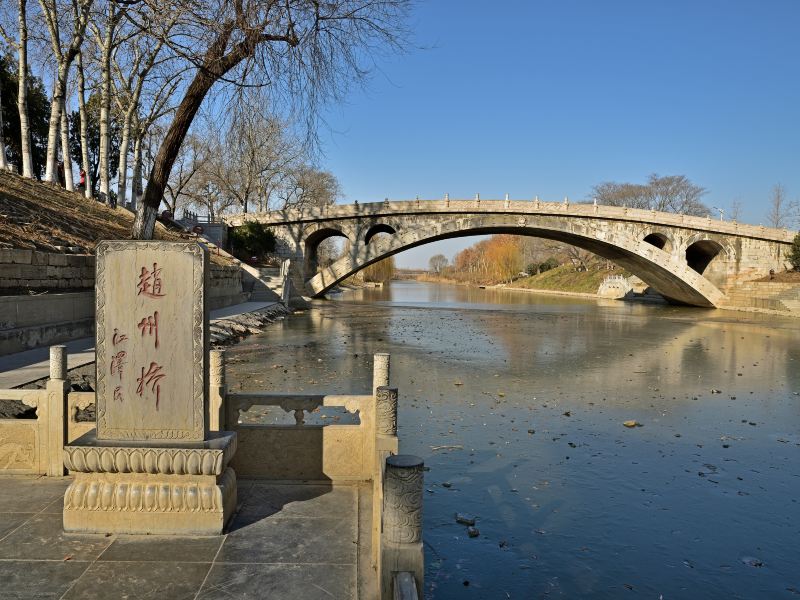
(781, 297)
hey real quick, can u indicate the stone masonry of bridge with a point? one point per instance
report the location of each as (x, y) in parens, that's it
(689, 260)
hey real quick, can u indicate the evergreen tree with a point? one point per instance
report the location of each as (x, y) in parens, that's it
(38, 115)
(794, 253)
(93, 127)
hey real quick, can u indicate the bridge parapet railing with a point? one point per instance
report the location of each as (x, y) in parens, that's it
(338, 453)
(23, 441)
(524, 207)
(365, 451)
(35, 445)
(339, 448)
(77, 416)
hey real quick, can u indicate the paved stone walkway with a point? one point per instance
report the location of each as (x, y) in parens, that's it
(287, 541)
(31, 365)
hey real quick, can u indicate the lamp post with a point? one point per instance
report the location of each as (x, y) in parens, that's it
(721, 212)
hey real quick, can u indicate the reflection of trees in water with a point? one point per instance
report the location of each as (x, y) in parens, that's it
(629, 350)
(612, 351)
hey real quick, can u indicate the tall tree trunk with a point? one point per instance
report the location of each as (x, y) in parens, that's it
(122, 171)
(51, 172)
(105, 99)
(136, 177)
(3, 161)
(68, 181)
(22, 92)
(84, 127)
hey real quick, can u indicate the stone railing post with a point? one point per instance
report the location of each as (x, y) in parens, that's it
(401, 543)
(380, 370)
(216, 390)
(57, 389)
(382, 445)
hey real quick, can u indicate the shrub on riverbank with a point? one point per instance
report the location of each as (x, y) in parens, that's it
(794, 253)
(252, 239)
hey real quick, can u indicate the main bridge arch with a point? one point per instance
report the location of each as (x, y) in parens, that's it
(674, 279)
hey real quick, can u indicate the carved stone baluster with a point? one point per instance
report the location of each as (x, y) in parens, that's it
(217, 390)
(386, 410)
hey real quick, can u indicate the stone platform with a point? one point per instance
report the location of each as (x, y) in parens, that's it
(287, 540)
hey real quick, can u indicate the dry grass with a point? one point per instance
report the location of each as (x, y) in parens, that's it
(41, 216)
(566, 279)
(783, 277)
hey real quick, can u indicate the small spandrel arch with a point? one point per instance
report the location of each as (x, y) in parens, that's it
(376, 229)
(700, 254)
(659, 240)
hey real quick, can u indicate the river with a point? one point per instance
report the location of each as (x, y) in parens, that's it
(516, 402)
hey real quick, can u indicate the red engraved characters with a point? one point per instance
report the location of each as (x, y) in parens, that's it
(118, 337)
(117, 363)
(151, 378)
(118, 394)
(150, 283)
(149, 325)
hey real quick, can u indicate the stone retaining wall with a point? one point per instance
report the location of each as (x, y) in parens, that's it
(45, 271)
(225, 286)
(30, 321)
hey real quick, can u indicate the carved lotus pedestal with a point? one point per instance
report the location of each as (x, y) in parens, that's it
(130, 487)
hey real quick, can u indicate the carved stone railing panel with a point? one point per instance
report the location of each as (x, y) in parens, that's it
(297, 404)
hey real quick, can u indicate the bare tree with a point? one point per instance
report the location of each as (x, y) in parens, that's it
(579, 257)
(3, 161)
(193, 155)
(736, 209)
(307, 52)
(21, 45)
(780, 208)
(254, 157)
(159, 105)
(84, 125)
(671, 193)
(437, 264)
(105, 28)
(309, 186)
(144, 57)
(52, 12)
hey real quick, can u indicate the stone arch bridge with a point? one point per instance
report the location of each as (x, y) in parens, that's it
(689, 260)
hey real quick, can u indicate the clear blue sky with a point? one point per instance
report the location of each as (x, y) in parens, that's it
(548, 98)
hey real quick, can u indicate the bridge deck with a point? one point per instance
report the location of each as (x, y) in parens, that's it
(286, 541)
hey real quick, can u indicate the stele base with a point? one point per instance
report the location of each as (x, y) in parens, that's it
(137, 488)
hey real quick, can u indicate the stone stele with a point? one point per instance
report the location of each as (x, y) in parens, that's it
(151, 466)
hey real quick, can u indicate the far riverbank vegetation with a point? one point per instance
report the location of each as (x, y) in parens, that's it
(525, 262)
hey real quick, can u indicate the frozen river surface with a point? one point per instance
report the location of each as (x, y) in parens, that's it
(517, 402)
